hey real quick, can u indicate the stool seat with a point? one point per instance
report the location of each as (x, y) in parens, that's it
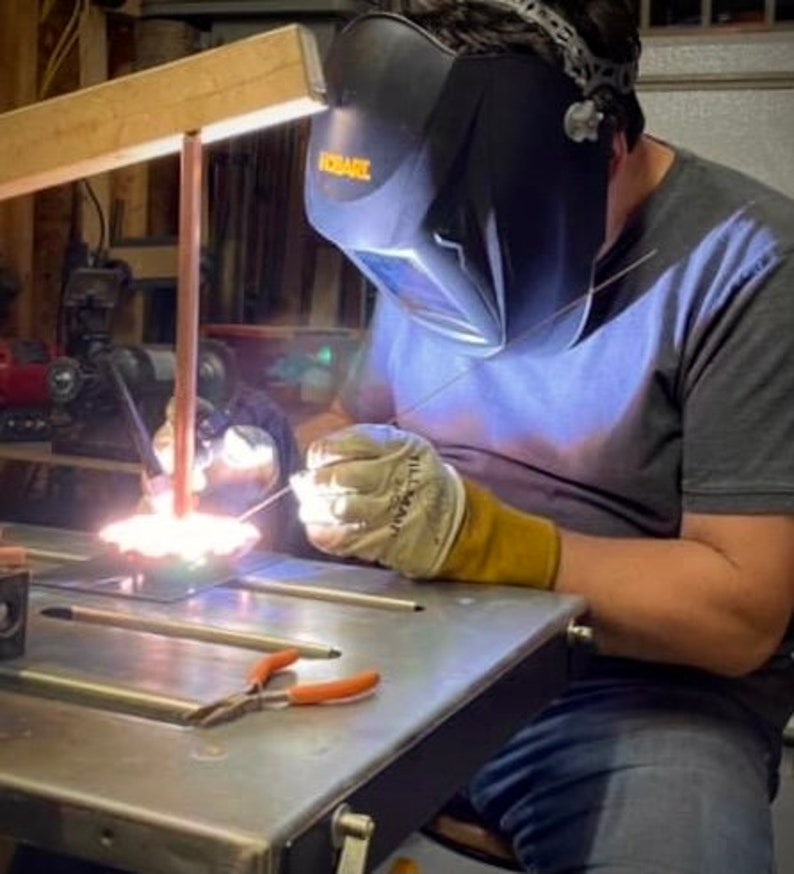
(459, 828)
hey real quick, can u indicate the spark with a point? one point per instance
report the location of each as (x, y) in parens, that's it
(192, 537)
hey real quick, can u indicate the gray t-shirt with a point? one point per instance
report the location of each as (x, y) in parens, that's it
(678, 396)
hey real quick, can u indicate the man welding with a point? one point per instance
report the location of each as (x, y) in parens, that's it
(579, 377)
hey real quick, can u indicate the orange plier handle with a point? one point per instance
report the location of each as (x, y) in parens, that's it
(305, 693)
(264, 669)
(320, 693)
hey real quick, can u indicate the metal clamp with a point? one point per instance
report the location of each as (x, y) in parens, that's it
(13, 613)
(351, 832)
(580, 635)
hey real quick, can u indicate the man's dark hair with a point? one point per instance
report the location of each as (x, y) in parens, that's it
(608, 27)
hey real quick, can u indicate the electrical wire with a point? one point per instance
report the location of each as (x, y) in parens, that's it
(66, 42)
(46, 8)
(58, 55)
(473, 365)
(103, 225)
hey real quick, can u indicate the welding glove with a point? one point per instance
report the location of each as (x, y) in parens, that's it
(235, 465)
(378, 493)
(230, 447)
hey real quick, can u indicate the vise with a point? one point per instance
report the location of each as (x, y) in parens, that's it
(14, 586)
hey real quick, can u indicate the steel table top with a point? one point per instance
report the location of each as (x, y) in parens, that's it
(459, 674)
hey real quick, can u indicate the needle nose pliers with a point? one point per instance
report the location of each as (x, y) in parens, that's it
(254, 697)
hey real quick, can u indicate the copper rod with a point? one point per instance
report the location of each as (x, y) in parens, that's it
(187, 319)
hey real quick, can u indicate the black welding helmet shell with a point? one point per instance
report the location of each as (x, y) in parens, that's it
(452, 183)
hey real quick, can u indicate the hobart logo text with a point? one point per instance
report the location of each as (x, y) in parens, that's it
(344, 165)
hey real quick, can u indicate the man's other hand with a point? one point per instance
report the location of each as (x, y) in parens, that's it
(234, 465)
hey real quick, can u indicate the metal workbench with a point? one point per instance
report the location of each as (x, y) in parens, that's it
(259, 794)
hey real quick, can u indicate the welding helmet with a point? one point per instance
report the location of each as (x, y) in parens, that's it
(470, 188)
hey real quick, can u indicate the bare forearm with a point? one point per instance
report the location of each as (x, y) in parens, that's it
(679, 601)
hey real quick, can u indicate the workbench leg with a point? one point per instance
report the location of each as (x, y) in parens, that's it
(30, 860)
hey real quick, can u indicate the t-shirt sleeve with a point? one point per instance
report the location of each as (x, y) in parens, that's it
(738, 424)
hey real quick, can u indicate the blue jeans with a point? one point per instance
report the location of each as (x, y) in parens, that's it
(623, 777)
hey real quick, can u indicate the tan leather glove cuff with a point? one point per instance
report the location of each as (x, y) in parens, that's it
(497, 544)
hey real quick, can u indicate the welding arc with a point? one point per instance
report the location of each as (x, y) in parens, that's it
(474, 363)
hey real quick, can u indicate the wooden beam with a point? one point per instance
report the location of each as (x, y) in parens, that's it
(251, 83)
(131, 8)
(147, 262)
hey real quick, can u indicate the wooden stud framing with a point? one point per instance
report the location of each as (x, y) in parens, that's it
(93, 45)
(18, 57)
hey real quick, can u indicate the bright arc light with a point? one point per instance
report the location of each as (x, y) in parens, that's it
(192, 537)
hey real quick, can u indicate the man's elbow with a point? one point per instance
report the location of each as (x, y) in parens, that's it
(748, 652)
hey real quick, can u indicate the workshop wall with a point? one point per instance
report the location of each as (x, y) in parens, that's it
(263, 265)
(263, 261)
(19, 33)
(725, 94)
(49, 48)
(41, 235)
